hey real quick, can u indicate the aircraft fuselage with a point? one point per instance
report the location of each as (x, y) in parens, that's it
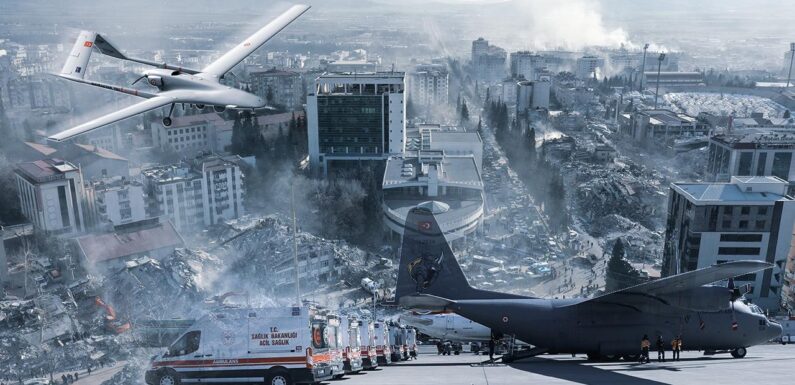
(200, 89)
(616, 329)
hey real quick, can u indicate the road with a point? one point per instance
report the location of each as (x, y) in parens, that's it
(768, 364)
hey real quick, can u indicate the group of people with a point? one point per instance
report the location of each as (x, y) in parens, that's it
(645, 345)
(69, 378)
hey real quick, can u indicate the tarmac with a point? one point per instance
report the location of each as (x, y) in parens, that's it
(766, 364)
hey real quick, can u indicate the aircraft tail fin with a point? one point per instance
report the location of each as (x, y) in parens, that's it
(429, 274)
(76, 63)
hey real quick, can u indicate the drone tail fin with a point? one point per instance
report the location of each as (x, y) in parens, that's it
(76, 63)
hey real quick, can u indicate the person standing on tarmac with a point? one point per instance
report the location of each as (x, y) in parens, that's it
(660, 349)
(492, 345)
(676, 347)
(645, 344)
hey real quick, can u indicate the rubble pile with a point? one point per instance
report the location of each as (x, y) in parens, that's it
(131, 374)
(148, 289)
(631, 192)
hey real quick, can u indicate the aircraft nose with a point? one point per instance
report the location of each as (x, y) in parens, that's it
(774, 330)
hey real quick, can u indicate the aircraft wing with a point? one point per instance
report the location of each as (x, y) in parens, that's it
(124, 113)
(684, 281)
(245, 48)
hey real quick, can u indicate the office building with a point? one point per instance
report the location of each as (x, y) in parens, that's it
(532, 95)
(764, 153)
(194, 134)
(51, 195)
(660, 128)
(196, 194)
(116, 200)
(449, 186)
(526, 65)
(428, 86)
(748, 218)
(355, 117)
(279, 88)
(590, 67)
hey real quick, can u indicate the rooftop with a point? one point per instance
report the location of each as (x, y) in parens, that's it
(746, 190)
(753, 139)
(46, 170)
(105, 247)
(419, 168)
(667, 117)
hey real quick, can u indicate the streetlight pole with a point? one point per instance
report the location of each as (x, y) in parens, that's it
(657, 90)
(643, 68)
(791, 57)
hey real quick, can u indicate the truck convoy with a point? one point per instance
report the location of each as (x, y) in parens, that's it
(279, 346)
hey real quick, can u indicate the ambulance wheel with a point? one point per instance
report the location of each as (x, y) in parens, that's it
(168, 377)
(166, 121)
(278, 377)
(739, 352)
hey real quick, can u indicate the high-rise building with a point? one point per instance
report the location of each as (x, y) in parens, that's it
(589, 67)
(278, 88)
(532, 95)
(749, 218)
(752, 154)
(488, 61)
(195, 194)
(525, 64)
(428, 85)
(354, 117)
(51, 195)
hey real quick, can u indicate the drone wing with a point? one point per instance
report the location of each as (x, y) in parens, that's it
(124, 113)
(237, 54)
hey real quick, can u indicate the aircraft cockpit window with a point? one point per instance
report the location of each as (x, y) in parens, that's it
(755, 309)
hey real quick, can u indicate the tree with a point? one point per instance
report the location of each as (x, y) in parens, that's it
(269, 95)
(464, 112)
(785, 116)
(619, 273)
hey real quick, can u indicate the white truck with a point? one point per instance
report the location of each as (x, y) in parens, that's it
(277, 346)
(383, 346)
(367, 340)
(351, 343)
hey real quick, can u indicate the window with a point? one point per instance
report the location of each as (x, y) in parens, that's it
(744, 167)
(760, 163)
(187, 344)
(761, 210)
(728, 210)
(781, 163)
(738, 251)
(743, 224)
(319, 337)
(741, 237)
(760, 225)
(745, 210)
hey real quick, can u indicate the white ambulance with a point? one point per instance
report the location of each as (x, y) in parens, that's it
(351, 354)
(367, 339)
(398, 342)
(335, 345)
(277, 346)
(383, 346)
(412, 342)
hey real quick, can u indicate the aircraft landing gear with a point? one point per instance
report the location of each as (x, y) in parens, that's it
(167, 119)
(739, 352)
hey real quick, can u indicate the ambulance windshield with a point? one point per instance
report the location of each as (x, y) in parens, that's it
(319, 340)
(187, 344)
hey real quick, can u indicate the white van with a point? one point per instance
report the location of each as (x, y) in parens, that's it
(280, 346)
(397, 342)
(383, 346)
(367, 340)
(351, 343)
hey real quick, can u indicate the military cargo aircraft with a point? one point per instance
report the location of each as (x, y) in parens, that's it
(709, 318)
(175, 85)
